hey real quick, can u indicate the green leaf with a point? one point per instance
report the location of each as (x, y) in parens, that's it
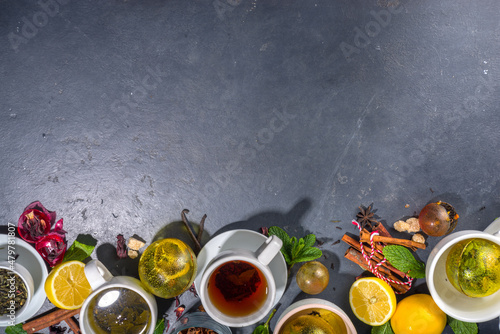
(296, 250)
(309, 240)
(297, 247)
(401, 258)
(160, 326)
(384, 329)
(286, 249)
(461, 327)
(264, 328)
(280, 233)
(78, 251)
(17, 329)
(308, 254)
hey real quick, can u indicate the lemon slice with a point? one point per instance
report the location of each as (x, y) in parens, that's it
(372, 301)
(66, 286)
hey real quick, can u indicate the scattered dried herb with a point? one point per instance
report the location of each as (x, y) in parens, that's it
(12, 291)
(296, 250)
(197, 330)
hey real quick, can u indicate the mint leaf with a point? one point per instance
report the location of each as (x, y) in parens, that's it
(401, 258)
(160, 326)
(296, 250)
(78, 251)
(264, 328)
(286, 249)
(298, 245)
(384, 329)
(280, 233)
(309, 240)
(308, 254)
(17, 329)
(461, 327)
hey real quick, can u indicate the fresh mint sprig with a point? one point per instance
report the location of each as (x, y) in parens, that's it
(78, 251)
(384, 329)
(264, 328)
(461, 327)
(296, 250)
(402, 259)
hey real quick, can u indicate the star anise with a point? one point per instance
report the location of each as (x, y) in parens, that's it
(365, 216)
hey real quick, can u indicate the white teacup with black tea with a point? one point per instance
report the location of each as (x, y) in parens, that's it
(237, 288)
(117, 305)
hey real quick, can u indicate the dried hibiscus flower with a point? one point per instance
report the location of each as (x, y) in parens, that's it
(121, 247)
(35, 222)
(35, 226)
(52, 248)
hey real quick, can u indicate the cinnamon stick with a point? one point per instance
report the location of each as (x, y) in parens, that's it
(379, 257)
(365, 237)
(73, 325)
(54, 317)
(356, 257)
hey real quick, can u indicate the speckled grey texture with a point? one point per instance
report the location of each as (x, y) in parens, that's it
(119, 114)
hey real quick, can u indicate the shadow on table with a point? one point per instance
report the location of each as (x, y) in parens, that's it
(290, 221)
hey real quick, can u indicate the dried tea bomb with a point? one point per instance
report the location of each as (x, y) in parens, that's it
(167, 267)
(473, 267)
(312, 277)
(437, 219)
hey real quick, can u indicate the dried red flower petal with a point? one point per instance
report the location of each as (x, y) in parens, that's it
(35, 222)
(52, 248)
(56, 329)
(121, 247)
(58, 227)
(179, 311)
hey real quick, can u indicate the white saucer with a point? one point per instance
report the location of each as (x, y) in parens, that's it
(243, 239)
(31, 260)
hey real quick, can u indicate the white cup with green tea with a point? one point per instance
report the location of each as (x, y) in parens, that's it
(117, 304)
(463, 274)
(17, 288)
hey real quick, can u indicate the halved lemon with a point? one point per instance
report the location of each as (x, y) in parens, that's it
(372, 301)
(66, 286)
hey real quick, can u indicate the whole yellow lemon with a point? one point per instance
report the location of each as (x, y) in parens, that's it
(418, 314)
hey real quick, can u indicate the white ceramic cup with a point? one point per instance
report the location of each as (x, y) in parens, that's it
(447, 297)
(260, 259)
(305, 306)
(100, 279)
(24, 274)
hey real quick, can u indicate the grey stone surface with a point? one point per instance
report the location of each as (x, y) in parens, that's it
(119, 114)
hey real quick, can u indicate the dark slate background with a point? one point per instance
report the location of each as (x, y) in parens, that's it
(119, 114)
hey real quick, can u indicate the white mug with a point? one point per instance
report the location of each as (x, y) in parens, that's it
(106, 287)
(453, 302)
(259, 260)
